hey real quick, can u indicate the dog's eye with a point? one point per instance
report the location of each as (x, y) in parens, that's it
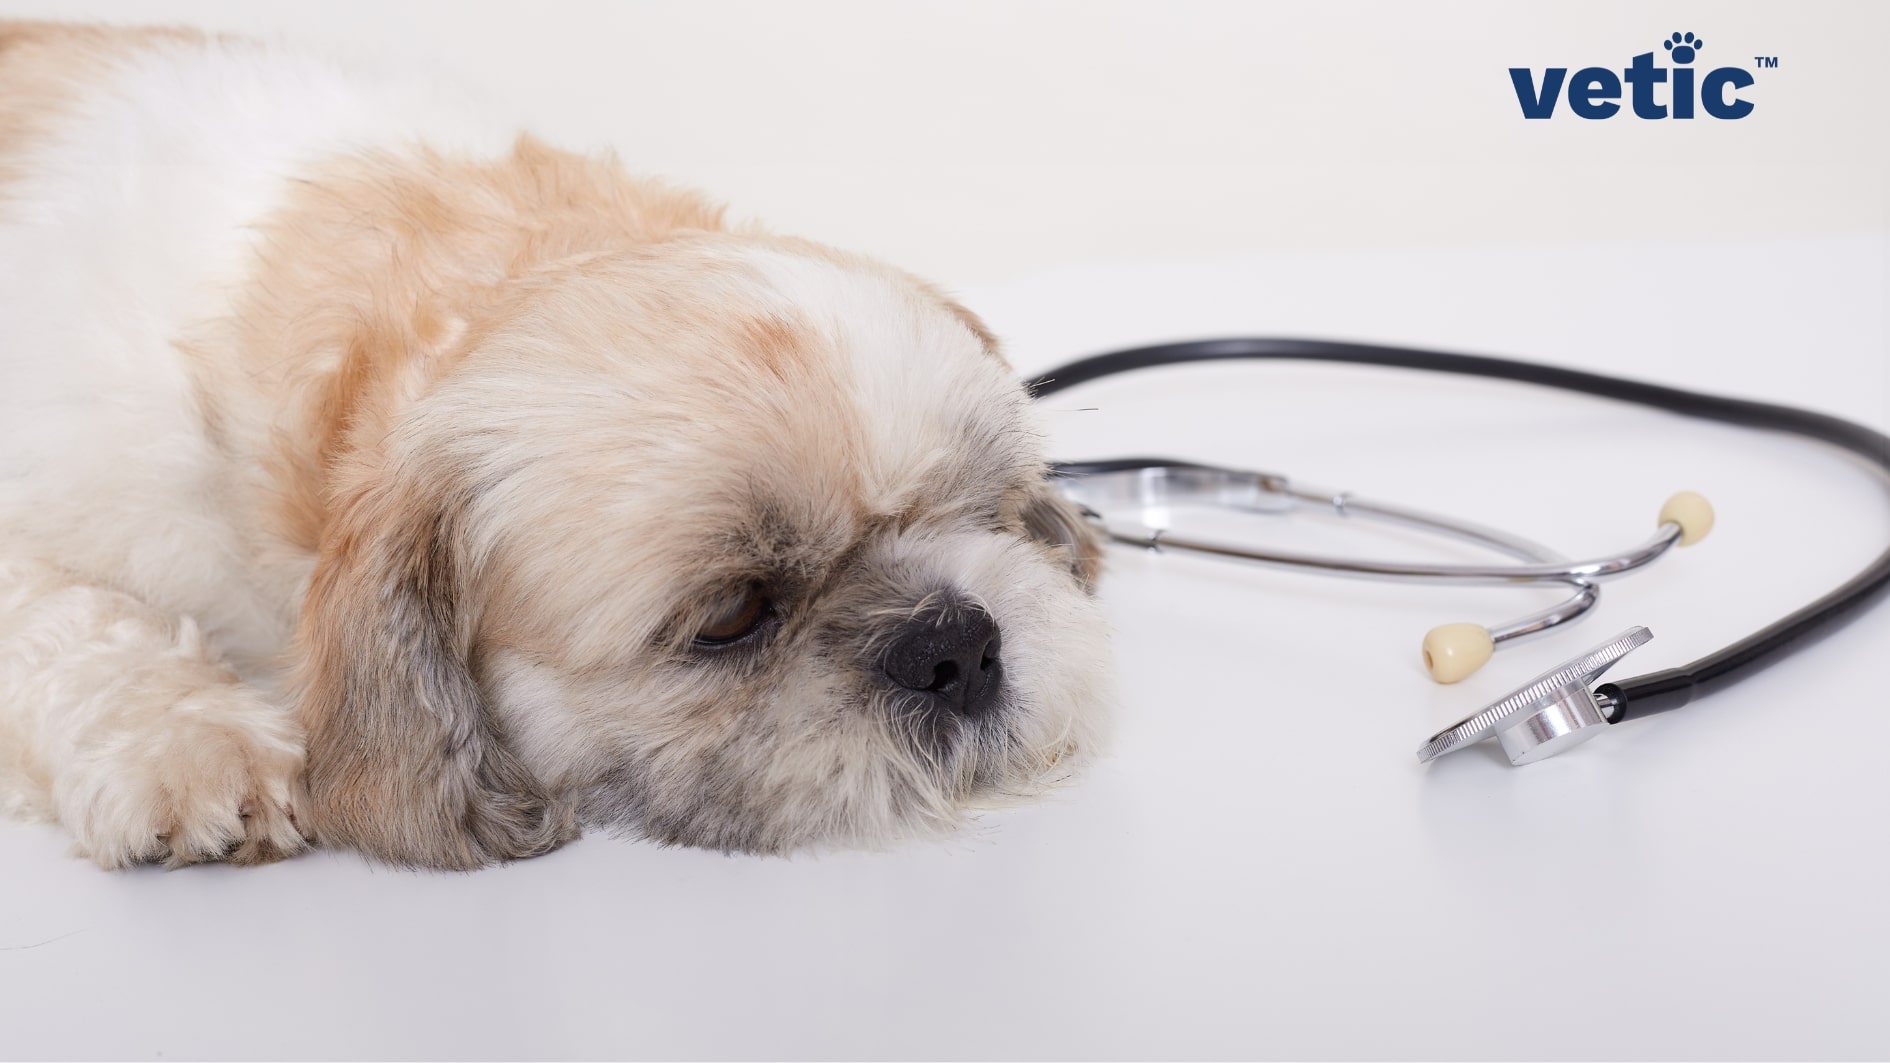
(735, 618)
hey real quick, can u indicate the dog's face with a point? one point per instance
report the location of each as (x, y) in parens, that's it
(729, 542)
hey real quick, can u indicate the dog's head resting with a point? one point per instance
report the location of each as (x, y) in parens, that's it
(727, 541)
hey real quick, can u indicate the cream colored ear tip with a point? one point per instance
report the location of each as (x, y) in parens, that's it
(1455, 651)
(1692, 512)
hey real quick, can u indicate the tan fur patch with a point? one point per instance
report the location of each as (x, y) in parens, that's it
(45, 65)
(777, 344)
(379, 271)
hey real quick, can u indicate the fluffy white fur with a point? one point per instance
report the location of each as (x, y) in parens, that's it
(335, 417)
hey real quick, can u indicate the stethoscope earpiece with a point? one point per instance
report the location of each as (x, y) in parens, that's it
(1454, 652)
(1692, 512)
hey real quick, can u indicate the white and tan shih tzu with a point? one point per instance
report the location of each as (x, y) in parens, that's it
(364, 485)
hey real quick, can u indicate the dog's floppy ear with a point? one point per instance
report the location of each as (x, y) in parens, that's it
(1050, 517)
(405, 762)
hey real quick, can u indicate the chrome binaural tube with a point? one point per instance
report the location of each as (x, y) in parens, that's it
(1150, 485)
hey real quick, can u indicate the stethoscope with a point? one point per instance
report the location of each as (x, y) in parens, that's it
(1132, 501)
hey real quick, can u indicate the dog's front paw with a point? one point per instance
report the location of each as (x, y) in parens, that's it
(214, 775)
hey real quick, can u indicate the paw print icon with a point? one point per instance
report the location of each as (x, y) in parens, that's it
(1683, 46)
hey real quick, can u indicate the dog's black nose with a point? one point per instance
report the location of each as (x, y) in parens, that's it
(951, 656)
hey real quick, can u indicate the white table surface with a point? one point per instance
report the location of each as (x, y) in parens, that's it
(1261, 868)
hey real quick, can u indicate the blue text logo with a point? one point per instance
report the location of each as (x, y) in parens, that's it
(1593, 90)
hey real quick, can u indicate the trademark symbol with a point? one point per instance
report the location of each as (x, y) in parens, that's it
(1765, 62)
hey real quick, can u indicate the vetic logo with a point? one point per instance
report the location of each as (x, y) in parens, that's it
(1593, 89)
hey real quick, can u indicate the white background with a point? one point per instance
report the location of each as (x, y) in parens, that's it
(1261, 868)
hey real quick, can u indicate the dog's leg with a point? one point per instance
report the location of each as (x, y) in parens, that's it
(120, 722)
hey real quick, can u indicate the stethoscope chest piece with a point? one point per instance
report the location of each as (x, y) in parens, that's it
(1553, 713)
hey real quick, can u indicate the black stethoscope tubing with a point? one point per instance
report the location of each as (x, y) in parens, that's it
(1644, 694)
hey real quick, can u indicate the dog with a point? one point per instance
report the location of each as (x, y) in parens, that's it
(373, 477)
